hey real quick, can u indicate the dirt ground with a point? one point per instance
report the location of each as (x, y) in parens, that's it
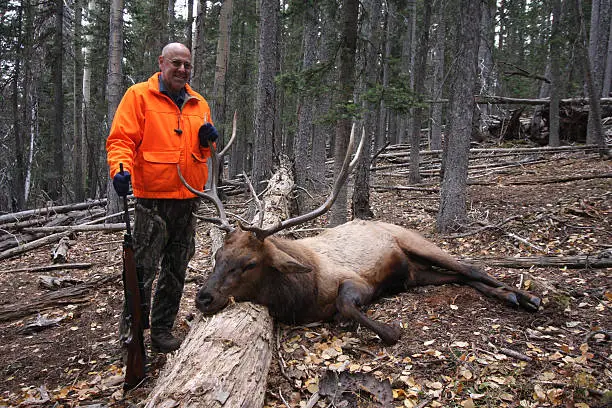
(458, 348)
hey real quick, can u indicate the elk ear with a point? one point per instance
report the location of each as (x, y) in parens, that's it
(285, 263)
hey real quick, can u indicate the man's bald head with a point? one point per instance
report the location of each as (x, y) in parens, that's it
(174, 48)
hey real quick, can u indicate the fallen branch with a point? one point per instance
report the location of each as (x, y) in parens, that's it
(515, 354)
(547, 180)
(18, 216)
(602, 260)
(405, 188)
(50, 239)
(77, 228)
(66, 296)
(46, 268)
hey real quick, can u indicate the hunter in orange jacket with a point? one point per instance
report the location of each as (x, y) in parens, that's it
(150, 135)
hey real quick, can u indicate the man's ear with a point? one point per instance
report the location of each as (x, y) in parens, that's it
(285, 263)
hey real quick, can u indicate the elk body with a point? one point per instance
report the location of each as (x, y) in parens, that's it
(338, 272)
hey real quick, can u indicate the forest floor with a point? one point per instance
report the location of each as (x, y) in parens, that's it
(458, 348)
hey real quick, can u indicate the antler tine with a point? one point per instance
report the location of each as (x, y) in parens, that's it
(222, 154)
(347, 167)
(212, 194)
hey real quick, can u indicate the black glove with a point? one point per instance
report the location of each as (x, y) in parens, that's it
(207, 133)
(121, 183)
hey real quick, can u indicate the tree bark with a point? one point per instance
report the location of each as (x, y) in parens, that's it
(437, 80)
(455, 162)
(74, 294)
(56, 176)
(555, 74)
(263, 153)
(572, 262)
(77, 86)
(348, 47)
(595, 133)
(372, 31)
(114, 83)
(304, 141)
(223, 361)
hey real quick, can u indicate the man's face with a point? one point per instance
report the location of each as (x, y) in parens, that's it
(175, 66)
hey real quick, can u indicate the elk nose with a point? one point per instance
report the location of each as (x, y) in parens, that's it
(203, 300)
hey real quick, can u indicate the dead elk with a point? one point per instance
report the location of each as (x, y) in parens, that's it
(337, 272)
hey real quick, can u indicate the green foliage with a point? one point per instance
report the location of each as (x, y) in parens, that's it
(306, 82)
(397, 96)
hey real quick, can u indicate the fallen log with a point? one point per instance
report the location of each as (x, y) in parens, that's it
(49, 239)
(71, 295)
(224, 360)
(18, 216)
(602, 260)
(402, 150)
(547, 180)
(113, 227)
(46, 268)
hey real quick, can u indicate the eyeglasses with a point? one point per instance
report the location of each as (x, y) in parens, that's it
(178, 63)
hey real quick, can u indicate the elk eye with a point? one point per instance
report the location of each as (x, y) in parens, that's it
(250, 266)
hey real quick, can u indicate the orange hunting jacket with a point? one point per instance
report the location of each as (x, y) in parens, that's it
(144, 138)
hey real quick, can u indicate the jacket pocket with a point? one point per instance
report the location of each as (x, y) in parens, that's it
(201, 169)
(159, 173)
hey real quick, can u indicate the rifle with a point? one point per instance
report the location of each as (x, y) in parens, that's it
(132, 290)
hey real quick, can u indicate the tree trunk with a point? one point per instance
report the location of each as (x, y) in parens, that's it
(221, 65)
(224, 361)
(114, 83)
(263, 146)
(304, 140)
(598, 47)
(86, 135)
(198, 49)
(372, 31)
(189, 25)
(383, 120)
(607, 82)
(452, 210)
(555, 75)
(346, 68)
(595, 136)
(437, 80)
(323, 133)
(77, 86)
(17, 195)
(419, 90)
(56, 175)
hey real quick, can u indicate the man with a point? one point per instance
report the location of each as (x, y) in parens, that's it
(159, 124)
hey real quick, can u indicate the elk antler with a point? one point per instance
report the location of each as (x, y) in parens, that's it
(212, 195)
(347, 167)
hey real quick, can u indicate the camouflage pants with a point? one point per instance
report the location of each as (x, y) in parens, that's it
(164, 242)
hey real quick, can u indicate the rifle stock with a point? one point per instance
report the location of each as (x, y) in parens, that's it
(132, 290)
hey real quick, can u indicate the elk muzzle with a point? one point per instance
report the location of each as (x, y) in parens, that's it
(209, 302)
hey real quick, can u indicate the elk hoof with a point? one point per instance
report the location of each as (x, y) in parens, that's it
(390, 334)
(530, 303)
(512, 299)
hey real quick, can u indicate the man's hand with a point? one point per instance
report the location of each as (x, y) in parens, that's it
(207, 133)
(121, 183)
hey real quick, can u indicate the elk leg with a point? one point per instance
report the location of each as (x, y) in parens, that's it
(492, 287)
(353, 295)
